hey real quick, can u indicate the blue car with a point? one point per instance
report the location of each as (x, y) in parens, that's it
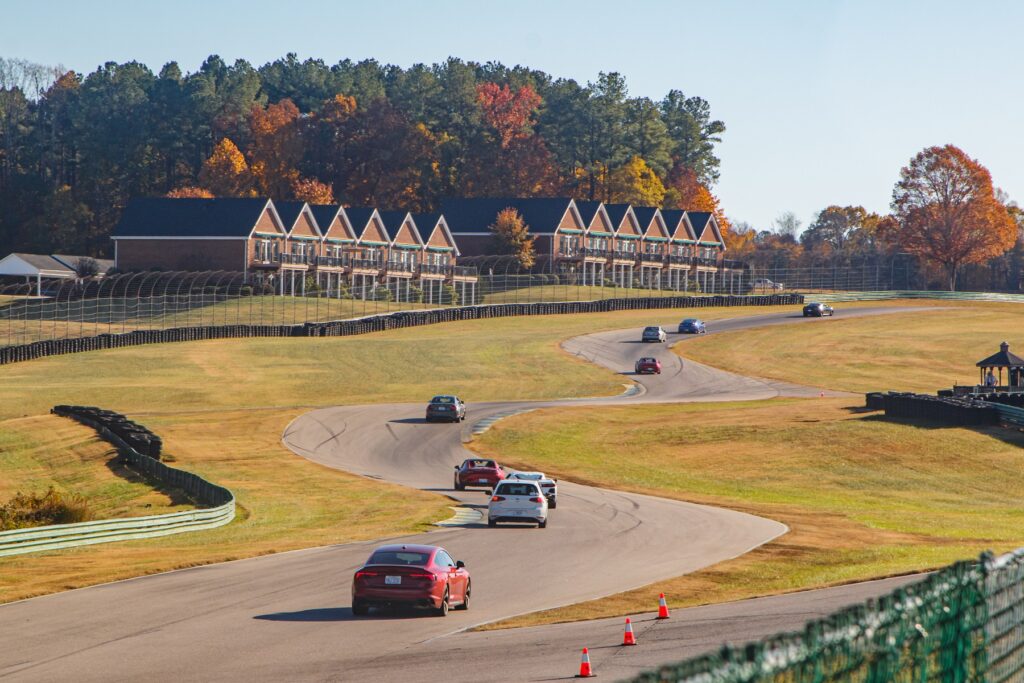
(692, 326)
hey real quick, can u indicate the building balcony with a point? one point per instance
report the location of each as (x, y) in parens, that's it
(297, 260)
(435, 269)
(623, 257)
(597, 254)
(463, 272)
(374, 264)
(400, 267)
(730, 264)
(703, 262)
(649, 259)
(333, 261)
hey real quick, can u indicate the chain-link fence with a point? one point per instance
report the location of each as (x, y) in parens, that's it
(62, 309)
(962, 623)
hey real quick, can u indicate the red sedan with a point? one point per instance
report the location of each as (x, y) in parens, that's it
(477, 472)
(411, 575)
(648, 365)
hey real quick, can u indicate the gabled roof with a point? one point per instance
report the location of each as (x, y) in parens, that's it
(1003, 359)
(360, 217)
(679, 227)
(71, 261)
(393, 222)
(429, 222)
(475, 216)
(588, 210)
(290, 212)
(620, 213)
(648, 216)
(34, 264)
(192, 218)
(324, 215)
(699, 220)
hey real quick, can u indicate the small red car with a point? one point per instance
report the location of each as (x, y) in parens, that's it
(648, 365)
(477, 472)
(411, 575)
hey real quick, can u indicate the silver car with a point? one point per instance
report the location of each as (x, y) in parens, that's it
(548, 485)
(518, 501)
(653, 333)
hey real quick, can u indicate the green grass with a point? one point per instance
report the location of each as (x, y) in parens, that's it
(914, 352)
(551, 292)
(37, 453)
(221, 407)
(864, 497)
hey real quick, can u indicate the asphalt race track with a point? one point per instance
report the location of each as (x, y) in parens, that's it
(286, 617)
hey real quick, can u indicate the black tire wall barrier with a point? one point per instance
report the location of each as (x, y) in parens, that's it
(964, 412)
(377, 323)
(127, 436)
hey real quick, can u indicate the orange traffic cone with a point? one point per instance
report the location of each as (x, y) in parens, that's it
(662, 607)
(628, 638)
(585, 670)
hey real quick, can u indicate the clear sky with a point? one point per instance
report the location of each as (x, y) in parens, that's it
(824, 101)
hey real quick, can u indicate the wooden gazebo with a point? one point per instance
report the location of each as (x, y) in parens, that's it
(998, 362)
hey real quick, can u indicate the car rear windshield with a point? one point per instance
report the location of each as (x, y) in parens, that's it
(528, 476)
(517, 490)
(406, 557)
(648, 360)
(650, 329)
(479, 464)
(443, 399)
(689, 321)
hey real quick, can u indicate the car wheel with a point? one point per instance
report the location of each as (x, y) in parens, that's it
(542, 524)
(465, 598)
(458, 486)
(360, 608)
(442, 611)
(552, 504)
(491, 523)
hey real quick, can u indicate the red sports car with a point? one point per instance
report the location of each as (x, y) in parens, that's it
(478, 472)
(648, 365)
(412, 575)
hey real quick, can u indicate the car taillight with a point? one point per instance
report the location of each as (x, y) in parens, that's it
(366, 575)
(497, 499)
(422, 575)
(536, 500)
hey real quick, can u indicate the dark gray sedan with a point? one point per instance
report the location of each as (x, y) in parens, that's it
(446, 409)
(818, 310)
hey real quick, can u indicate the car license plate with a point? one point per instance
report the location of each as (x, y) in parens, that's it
(392, 580)
(481, 481)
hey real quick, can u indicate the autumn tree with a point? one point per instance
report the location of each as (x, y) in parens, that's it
(835, 227)
(276, 148)
(948, 212)
(511, 235)
(226, 173)
(190, 192)
(635, 183)
(509, 112)
(312, 191)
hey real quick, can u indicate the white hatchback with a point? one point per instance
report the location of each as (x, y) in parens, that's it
(548, 485)
(518, 501)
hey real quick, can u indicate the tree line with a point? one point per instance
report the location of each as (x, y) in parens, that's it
(946, 215)
(75, 148)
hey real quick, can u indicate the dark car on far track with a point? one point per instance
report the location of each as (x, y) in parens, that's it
(450, 408)
(412, 576)
(818, 310)
(478, 472)
(692, 326)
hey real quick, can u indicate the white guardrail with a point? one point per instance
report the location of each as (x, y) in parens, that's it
(60, 536)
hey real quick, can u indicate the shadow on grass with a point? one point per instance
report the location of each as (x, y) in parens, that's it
(1004, 434)
(175, 495)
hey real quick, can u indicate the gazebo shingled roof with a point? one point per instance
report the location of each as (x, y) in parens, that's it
(1003, 359)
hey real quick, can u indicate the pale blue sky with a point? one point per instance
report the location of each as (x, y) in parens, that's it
(824, 101)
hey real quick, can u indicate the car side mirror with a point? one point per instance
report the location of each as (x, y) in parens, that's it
(456, 467)
(459, 564)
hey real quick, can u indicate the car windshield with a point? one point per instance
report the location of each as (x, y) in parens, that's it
(406, 557)
(523, 489)
(651, 329)
(443, 399)
(478, 464)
